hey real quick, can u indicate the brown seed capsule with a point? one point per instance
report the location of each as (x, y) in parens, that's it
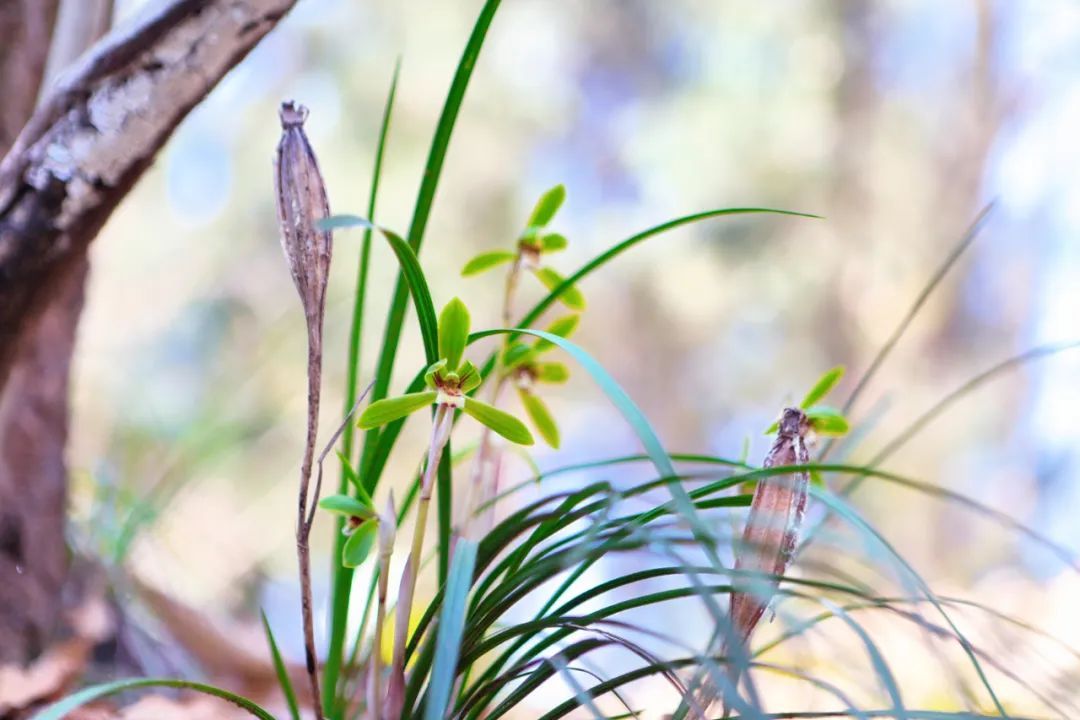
(772, 529)
(301, 201)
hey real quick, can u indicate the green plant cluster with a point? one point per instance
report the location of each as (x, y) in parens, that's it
(470, 655)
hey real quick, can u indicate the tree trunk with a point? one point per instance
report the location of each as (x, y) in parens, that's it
(77, 157)
(31, 553)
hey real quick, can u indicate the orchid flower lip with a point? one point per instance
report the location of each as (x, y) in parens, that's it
(456, 400)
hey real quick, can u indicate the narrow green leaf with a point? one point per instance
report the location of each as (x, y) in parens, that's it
(410, 268)
(389, 409)
(553, 242)
(823, 386)
(552, 372)
(347, 505)
(503, 423)
(282, 672)
(563, 327)
(342, 578)
(359, 544)
(619, 248)
(541, 418)
(422, 212)
(373, 454)
(626, 406)
(640, 424)
(836, 505)
(453, 332)
(570, 296)
(546, 207)
(487, 260)
(451, 630)
(817, 480)
(351, 476)
(957, 250)
(773, 429)
(344, 222)
(61, 709)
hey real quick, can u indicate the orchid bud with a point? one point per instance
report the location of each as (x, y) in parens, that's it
(387, 528)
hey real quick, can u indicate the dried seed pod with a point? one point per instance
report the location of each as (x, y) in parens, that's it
(301, 202)
(768, 542)
(772, 528)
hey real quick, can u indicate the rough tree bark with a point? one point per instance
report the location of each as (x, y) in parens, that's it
(77, 157)
(28, 595)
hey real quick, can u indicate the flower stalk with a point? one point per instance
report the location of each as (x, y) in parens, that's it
(440, 434)
(387, 530)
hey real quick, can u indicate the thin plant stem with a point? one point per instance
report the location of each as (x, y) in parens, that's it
(488, 491)
(376, 646)
(303, 520)
(883, 353)
(440, 434)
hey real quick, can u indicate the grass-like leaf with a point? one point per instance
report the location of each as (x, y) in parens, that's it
(280, 670)
(958, 250)
(60, 710)
(342, 576)
(837, 506)
(563, 327)
(410, 268)
(451, 628)
(440, 143)
(621, 247)
(350, 477)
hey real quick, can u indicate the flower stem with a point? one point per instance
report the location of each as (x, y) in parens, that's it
(482, 491)
(440, 434)
(376, 646)
(304, 519)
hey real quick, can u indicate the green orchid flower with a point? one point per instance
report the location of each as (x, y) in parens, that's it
(825, 420)
(449, 382)
(363, 524)
(524, 364)
(533, 243)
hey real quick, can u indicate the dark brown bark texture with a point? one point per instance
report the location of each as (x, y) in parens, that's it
(28, 591)
(73, 162)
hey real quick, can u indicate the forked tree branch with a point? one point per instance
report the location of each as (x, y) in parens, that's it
(99, 130)
(82, 150)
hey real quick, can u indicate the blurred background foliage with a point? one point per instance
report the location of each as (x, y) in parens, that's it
(896, 121)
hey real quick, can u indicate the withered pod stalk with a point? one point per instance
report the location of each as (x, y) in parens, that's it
(301, 203)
